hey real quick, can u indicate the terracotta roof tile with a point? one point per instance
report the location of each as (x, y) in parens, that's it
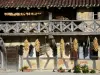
(66, 3)
(48, 3)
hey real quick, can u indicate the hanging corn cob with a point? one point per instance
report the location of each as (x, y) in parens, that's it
(26, 45)
(95, 44)
(62, 46)
(37, 45)
(75, 44)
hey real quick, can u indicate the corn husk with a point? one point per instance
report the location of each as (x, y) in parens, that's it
(62, 45)
(37, 45)
(95, 44)
(75, 44)
(26, 45)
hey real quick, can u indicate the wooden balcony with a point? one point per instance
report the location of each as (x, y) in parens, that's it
(45, 27)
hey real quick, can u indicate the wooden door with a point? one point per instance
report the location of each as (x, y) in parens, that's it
(12, 58)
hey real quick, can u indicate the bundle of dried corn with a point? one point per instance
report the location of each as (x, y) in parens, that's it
(95, 44)
(37, 45)
(75, 44)
(26, 45)
(62, 46)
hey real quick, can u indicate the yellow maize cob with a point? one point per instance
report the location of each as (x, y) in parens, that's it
(37, 45)
(75, 44)
(26, 45)
(95, 44)
(62, 45)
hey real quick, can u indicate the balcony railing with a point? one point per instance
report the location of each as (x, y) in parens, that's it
(50, 26)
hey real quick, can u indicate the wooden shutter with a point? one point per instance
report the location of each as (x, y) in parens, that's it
(99, 15)
(84, 14)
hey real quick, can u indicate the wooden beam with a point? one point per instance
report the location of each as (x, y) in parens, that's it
(53, 33)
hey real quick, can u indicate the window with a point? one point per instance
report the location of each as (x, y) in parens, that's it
(64, 14)
(95, 13)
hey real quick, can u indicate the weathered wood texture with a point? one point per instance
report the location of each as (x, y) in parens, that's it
(65, 27)
(12, 58)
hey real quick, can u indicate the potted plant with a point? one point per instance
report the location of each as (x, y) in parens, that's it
(85, 69)
(25, 69)
(69, 70)
(77, 69)
(92, 71)
(61, 69)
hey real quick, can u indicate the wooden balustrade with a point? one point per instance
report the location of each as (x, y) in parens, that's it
(56, 27)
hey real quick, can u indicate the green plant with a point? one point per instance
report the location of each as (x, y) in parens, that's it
(92, 71)
(85, 69)
(61, 69)
(24, 68)
(77, 69)
(69, 70)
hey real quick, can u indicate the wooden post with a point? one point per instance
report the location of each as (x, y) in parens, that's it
(75, 62)
(94, 26)
(50, 18)
(17, 27)
(61, 28)
(38, 62)
(55, 62)
(38, 26)
(71, 46)
(50, 15)
(72, 27)
(20, 61)
(2, 60)
(94, 64)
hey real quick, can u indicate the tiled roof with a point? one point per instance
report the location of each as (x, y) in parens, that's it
(48, 3)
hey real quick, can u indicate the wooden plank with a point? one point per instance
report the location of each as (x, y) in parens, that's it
(44, 58)
(53, 33)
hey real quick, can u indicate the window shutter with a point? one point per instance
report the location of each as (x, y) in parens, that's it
(99, 15)
(84, 14)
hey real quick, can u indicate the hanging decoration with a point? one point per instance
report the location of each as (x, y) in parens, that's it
(53, 46)
(62, 46)
(31, 50)
(22, 13)
(37, 45)
(26, 45)
(86, 48)
(95, 44)
(20, 50)
(75, 44)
